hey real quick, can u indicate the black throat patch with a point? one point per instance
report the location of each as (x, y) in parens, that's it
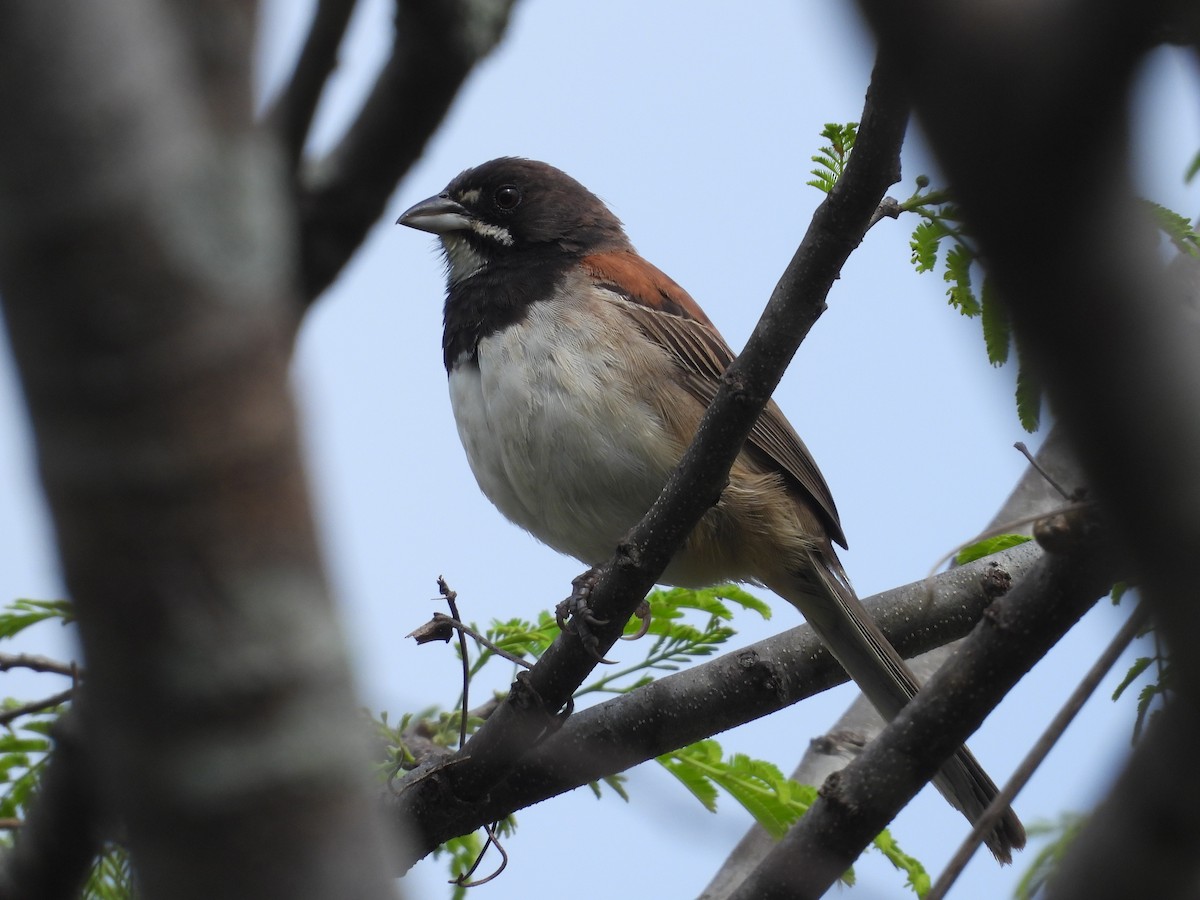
(495, 297)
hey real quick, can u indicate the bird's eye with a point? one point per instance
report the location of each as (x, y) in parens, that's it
(507, 197)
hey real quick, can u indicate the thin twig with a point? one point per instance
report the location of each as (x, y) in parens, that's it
(292, 113)
(1066, 495)
(341, 195)
(492, 840)
(889, 208)
(451, 601)
(33, 706)
(38, 664)
(1038, 752)
(466, 629)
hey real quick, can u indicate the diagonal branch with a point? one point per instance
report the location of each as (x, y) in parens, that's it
(437, 44)
(1117, 354)
(292, 113)
(144, 252)
(731, 690)
(856, 803)
(836, 229)
(15, 712)
(861, 723)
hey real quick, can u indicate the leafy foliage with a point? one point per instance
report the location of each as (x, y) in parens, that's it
(773, 800)
(1153, 694)
(1177, 228)
(941, 234)
(21, 614)
(997, 330)
(111, 877)
(988, 546)
(832, 157)
(1193, 168)
(1060, 835)
(25, 747)
(25, 743)
(1029, 394)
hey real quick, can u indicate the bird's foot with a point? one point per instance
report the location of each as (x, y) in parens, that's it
(575, 614)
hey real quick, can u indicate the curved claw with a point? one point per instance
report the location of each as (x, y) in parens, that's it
(574, 615)
(643, 614)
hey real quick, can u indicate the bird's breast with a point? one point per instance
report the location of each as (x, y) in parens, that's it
(561, 418)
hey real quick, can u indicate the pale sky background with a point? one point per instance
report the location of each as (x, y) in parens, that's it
(695, 121)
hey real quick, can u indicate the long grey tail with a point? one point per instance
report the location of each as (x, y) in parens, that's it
(822, 592)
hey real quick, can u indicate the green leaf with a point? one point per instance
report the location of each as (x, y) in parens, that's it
(111, 877)
(1029, 396)
(1176, 227)
(1140, 665)
(22, 613)
(958, 274)
(679, 765)
(915, 875)
(615, 782)
(997, 330)
(926, 239)
(1192, 169)
(774, 801)
(1045, 863)
(988, 546)
(831, 159)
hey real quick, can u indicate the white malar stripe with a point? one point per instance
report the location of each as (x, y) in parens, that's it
(497, 233)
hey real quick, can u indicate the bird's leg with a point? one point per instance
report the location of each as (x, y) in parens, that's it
(575, 613)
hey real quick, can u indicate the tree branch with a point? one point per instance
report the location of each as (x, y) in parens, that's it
(292, 113)
(703, 700)
(37, 663)
(144, 253)
(1117, 354)
(9, 715)
(856, 803)
(861, 723)
(53, 849)
(798, 300)
(437, 44)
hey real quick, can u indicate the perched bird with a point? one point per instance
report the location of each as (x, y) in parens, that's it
(578, 375)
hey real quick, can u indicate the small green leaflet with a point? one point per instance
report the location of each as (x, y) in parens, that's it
(20, 614)
(832, 157)
(988, 546)
(774, 801)
(1176, 227)
(997, 330)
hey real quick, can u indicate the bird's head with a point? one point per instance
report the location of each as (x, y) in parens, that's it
(513, 211)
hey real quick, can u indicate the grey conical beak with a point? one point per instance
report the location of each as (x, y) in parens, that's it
(437, 215)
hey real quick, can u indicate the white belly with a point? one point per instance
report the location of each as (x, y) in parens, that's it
(555, 435)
